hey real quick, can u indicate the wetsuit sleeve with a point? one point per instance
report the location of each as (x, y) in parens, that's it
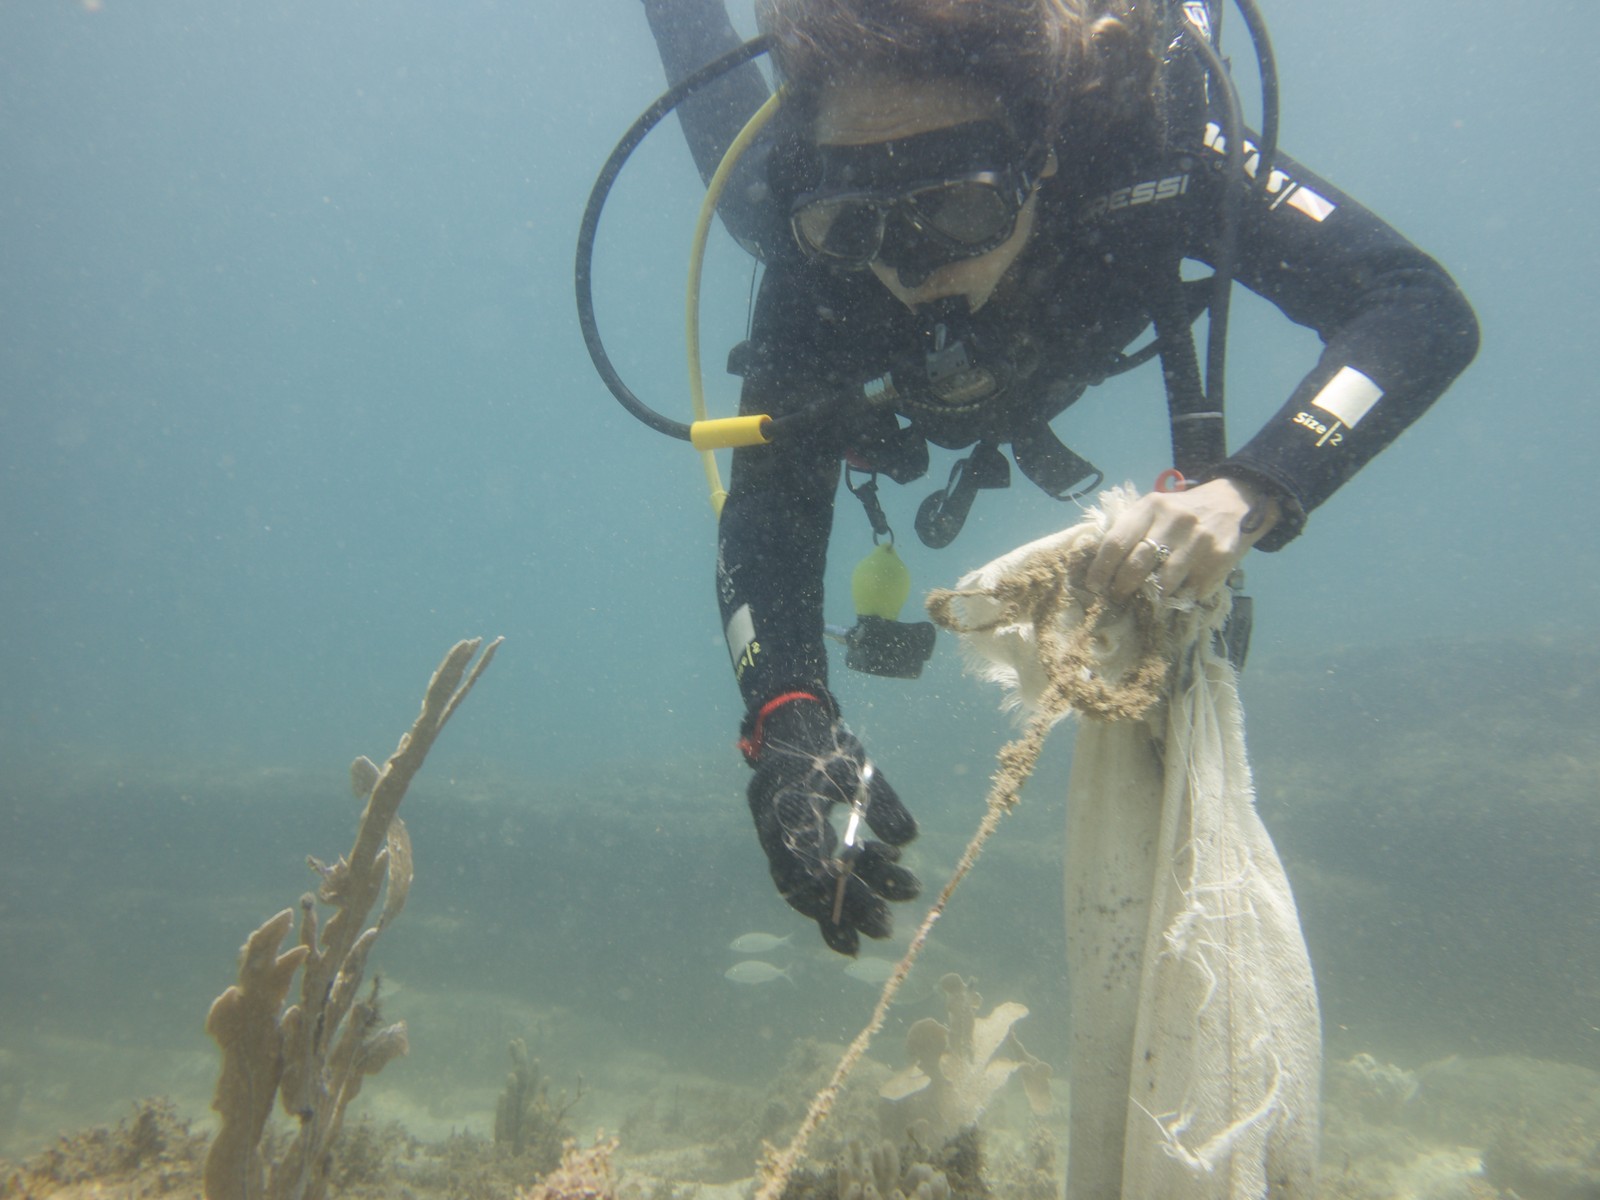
(772, 547)
(689, 34)
(772, 541)
(1396, 331)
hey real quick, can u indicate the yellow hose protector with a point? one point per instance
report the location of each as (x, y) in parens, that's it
(706, 440)
(724, 433)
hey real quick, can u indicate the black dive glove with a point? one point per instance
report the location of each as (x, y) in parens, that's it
(806, 761)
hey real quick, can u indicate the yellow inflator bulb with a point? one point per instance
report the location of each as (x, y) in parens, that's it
(880, 584)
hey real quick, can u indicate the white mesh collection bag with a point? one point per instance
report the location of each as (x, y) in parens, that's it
(1196, 1043)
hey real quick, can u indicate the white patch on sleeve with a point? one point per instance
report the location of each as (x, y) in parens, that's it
(1349, 396)
(740, 632)
(1282, 188)
(1318, 208)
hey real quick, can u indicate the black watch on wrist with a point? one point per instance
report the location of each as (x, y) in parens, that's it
(1291, 514)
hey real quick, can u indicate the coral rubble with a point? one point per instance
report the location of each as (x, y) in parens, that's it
(584, 1174)
(151, 1151)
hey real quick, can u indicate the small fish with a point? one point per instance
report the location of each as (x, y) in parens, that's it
(757, 943)
(875, 971)
(753, 970)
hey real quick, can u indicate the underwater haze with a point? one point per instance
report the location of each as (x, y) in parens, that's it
(293, 396)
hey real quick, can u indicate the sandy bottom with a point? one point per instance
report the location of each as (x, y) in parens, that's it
(1458, 1129)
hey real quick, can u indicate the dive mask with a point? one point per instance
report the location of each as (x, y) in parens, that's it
(915, 204)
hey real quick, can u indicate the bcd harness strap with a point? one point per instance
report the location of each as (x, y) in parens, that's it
(1199, 437)
(1198, 432)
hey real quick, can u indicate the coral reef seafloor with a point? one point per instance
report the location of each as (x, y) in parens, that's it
(1438, 871)
(1503, 1128)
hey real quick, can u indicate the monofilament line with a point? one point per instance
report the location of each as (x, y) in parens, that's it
(1017, 761)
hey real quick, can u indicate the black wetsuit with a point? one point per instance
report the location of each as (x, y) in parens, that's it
(1112, 225)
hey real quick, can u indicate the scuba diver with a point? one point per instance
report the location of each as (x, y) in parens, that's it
(968, 212)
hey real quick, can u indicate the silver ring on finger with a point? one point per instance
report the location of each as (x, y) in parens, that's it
(1163, 552)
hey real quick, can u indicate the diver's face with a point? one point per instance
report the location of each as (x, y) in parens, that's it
(867, 109)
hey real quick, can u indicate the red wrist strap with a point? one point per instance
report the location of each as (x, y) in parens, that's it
(751, 746)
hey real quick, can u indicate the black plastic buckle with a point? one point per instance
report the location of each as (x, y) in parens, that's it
(941, 516)
(895, 649)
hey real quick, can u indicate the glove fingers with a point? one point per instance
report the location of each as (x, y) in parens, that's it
(865, 911)
(840, 938)
(860, 912)
(886, 816)
(876, 868)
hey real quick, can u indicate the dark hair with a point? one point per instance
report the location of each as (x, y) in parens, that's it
(1040, 59)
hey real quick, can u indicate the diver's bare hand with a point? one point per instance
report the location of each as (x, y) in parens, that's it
(1189, 539)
